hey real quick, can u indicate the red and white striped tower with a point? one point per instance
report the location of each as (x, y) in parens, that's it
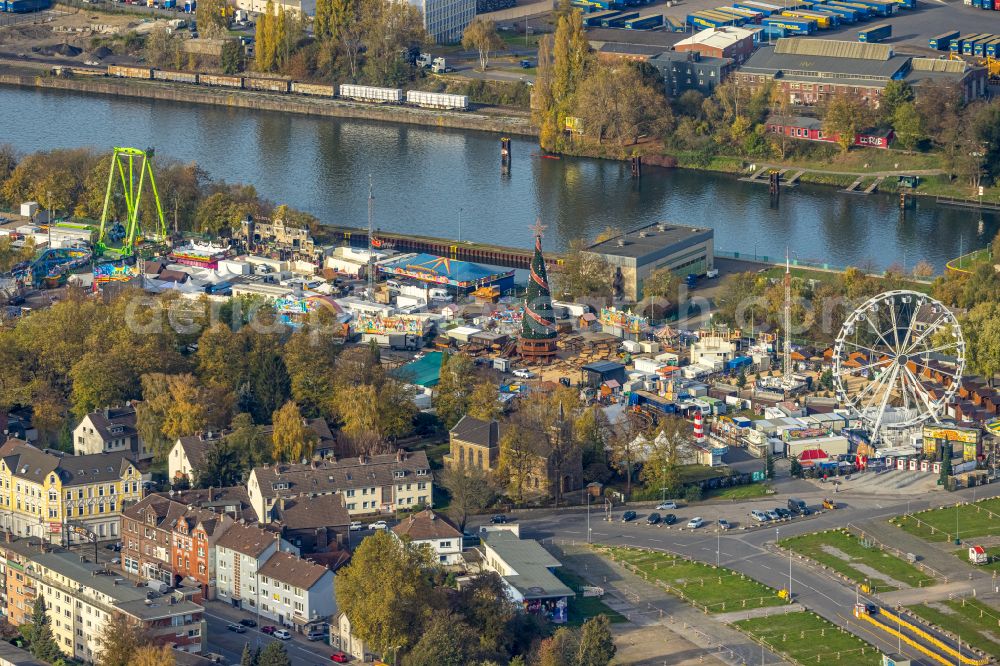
(699, 428)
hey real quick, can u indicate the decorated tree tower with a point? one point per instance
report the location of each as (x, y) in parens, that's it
(538, 329)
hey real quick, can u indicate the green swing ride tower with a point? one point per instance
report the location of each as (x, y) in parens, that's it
(134, 168)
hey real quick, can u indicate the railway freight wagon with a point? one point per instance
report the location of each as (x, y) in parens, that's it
(270, 85)
(221, 80)
(315, 89)
(432, 100)
(130, 72)
(169, 75)
(371, 94)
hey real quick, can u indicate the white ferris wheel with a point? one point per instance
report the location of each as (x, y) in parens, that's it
(882, 353)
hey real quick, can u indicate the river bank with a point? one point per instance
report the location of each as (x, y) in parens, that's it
(484, 120)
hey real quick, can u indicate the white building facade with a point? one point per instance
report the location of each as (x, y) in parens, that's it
(446, 20)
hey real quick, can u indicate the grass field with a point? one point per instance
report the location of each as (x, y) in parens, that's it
(894, 568)
(974, 621)
(749, 491)
(973, 520)
(809, 639)
(719, 589)
(583, 608)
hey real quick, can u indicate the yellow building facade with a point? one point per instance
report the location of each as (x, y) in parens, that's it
(62, 498)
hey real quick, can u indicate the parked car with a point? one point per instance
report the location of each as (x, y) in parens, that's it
(268, 629)
(238, 628)
(281, 634)
(724, 524)
(356, 525)
(669, 519)
(339, 657)
(523, 374)
(782, 513)
(759, 516)
(653, 519)
(498, 519)
(695, 523)
(316, 635)
(248, 623)
(116, 560)
(379, 525)
(628, 516)
(829, 503)
(666, 506)
(771, 515)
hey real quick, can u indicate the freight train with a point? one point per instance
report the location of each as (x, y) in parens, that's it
(368, 94)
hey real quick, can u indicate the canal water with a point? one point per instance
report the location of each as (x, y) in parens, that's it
(447, 182)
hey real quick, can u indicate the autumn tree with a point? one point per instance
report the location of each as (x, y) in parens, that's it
(381, 590)
(454, 389)
(563, 59)
(628, 441)
(445, 641)
(471, 489)
(843, 118)
(518, 458)
(981, 327)
(615, 103)
(481, 36)
(560, 649)
(153, 655)
(292, 440)
(661, 470)
(212, 17)
(176, 406)
(266, 39)
(389, 28)
(310, 356)
(583, 275)
(11, 255)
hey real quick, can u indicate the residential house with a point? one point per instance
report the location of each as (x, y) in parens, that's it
(80, 602)
(188, 453)
(343, 638)
(311, 522)
(433, 530)
(232, 500)
(110, 430)
(239, 555)
(62, 498)
(476, 443)
(296, 593)
(683, 71)
(526, 570)
(370, 484)
(19, 590)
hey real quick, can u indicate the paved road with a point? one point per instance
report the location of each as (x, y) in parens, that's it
(750, 551)
(230, 644)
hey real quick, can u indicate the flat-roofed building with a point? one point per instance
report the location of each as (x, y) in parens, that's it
(636, 254)
(725, 42)
(526, 570)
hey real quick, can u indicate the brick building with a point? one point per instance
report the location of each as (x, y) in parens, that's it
(725, 42)
(811, 129)
(811, 71)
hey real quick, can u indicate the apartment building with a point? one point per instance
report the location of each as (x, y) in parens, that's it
(81, 598)
(173, 543)
(65, 499)
(239, 555)
(369, 484)
(296, 593)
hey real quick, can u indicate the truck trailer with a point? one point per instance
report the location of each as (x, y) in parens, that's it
(942, 41)
(876, 33)
(792, 26)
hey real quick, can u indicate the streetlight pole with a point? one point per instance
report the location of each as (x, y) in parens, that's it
(588, 517)
(718, 543)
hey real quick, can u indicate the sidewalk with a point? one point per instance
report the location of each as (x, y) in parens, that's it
(937, 556)
(647, 605)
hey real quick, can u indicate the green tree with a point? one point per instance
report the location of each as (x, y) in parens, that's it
(560, 649)
(292, 440)
(662, 468)
(38, 631)
(597, 645)
(894, 95)
(222, 465)
(908, 126)
(250, 657)
(484, 603)
(11, 256)
(274, 654)
(981, 327)
(310, 356)
(795, 468)
(481, 36)
(484, 401)
(471, 491)
(446, 641)
(267, 379)
(245, 436)
(843, 118)
(381, 591)
(454, 389)
(741, 379)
